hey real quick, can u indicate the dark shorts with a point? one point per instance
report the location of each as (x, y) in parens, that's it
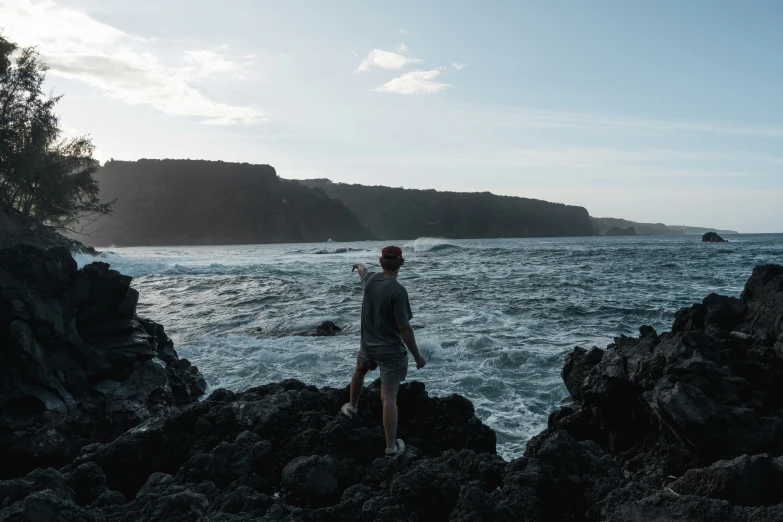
(394, 366)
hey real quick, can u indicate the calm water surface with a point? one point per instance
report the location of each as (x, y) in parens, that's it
(497, 316)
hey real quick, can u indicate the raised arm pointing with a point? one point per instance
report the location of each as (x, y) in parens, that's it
(361, 268)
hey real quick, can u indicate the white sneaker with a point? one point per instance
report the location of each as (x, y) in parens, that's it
(397, 450)
(348, 411)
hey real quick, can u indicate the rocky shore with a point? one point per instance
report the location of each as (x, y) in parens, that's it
(77, 365)
(685, 425)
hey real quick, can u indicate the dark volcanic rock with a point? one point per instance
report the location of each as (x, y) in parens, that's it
(77, 365)
(755, 480)
(310, 481)
(712, 237)
(762, 302)
(324, 329)
(647, 331)
(88, 483)
(224, 458)
(327, 328)
(577, 365)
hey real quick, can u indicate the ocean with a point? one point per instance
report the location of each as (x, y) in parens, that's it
(495, 317)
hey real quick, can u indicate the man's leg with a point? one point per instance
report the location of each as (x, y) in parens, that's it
(389, 399)
(357, 383)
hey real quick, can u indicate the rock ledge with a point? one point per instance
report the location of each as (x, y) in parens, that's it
(77, 365)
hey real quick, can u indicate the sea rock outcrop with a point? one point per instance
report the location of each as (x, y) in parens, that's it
(327, 329)
(685, 425)
(712, 237)
(77, 365)
(324, 329)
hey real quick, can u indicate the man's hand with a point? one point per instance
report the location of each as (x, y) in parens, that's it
(361, 268)
(406, 332)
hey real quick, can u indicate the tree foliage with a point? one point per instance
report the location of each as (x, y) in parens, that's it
(43, 176)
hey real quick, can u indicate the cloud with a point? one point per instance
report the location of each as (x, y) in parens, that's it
(459, 66)
(402, 31)
(401, 48)
(416, 82)
(76, 46)
(209, 65)
(385, 60)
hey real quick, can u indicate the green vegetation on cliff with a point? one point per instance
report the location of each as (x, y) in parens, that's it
(397, 213)
(185, 202)
(603, 225)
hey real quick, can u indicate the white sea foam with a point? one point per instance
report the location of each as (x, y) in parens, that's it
(430, 349)
(86, 259)
(425, 244)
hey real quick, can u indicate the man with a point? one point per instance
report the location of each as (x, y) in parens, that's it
(386, 315)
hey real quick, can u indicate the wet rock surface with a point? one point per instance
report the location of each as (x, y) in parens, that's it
(686, 425)
(327, 329)
(77, 365)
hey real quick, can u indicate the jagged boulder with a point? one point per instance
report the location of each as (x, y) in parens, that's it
(577, 365)
(310, 481)
(327, 329)
(77, 365)
(712, 237)
(762, 301)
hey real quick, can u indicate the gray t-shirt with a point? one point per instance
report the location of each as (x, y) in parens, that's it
(385, 305)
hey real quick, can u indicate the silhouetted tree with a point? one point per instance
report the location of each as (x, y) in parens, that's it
(42, 176)
(6, 48)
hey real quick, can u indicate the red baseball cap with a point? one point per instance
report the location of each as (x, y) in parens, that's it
(391, 252)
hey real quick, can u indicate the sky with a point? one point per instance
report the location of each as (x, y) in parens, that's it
(664, 111)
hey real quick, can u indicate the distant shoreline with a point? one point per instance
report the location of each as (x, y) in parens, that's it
(398, 241)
